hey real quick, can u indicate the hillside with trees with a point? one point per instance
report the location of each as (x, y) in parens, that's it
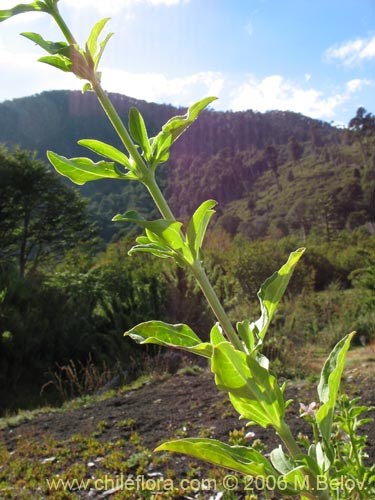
(68, 290)
(222, 156)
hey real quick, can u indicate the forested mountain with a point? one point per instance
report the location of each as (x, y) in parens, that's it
(264, 169)
(281, 181)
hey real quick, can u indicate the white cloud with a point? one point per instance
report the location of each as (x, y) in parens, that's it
(22, 74)
(274, 92)
(357, 84)
(156, 87)
(352, 52)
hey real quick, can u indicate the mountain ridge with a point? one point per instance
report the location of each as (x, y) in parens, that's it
(222, 156)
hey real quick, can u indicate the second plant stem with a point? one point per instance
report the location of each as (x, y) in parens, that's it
(148, 179)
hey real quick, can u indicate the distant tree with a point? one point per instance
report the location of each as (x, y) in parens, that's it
(295, 150)
(271, 156)
(363, 125)
(39, 215)
(230, 223)
(316, 139)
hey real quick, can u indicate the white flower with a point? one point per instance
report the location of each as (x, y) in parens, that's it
(308, 410)
(249, 435)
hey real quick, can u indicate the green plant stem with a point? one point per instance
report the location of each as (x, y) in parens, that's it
(63, 26)
(215, 304)
(148, 179)
(120, 129)
(197, 269)
(286, 436)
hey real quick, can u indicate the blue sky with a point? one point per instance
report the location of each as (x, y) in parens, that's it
(316, 57)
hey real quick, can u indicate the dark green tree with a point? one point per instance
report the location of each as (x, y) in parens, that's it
(40, 217)
(363, 126)
(271, 156)
(295, 149)
(316, 140)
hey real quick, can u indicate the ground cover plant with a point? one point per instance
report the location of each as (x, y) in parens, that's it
(305, 469)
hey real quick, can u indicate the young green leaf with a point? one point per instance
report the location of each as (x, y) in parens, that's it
(238, 458)
(271, 293)
(154, 249)
(197, 226)
(329, 385)
(50, 47)
(58, 61)
(82, 170)
(176, 126)
(107, 151)
(138, 131)
(162, 232)
(252, 389)
(92, 41)
(178, 336)
(21, 8)
(216, 335)
(246, 334)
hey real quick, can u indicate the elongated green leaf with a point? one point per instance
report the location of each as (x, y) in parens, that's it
(293, 471)
(102, 46)
(163, 232)
(282, 462)
(198, 225)
(82, 170)
(246, 334)
(178, 336)
(176, 126)
(329, 385)
(21, 8)
(146, 245)
(50, 47)
(253, 391)
(154, 249)
(237, 458)
(138, 131)
(92, 41)
(58, 61)
(216, 335)
(107, 151)
(271, 293)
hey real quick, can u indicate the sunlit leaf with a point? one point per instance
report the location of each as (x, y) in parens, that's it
(238, 458)
(21, 8)
(246, 334)
(102, 46)
(172, 130)
(163, 232)
(216, 335)
(58, 61)
(107, 151)
(197, 226)
(82, 170)
(138, 131)
(92, 41)
(178, 336)
(272, 291)
(329, 385)
(51, 47)
(252, 389)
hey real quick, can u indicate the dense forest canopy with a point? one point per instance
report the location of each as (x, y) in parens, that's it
(221, 157)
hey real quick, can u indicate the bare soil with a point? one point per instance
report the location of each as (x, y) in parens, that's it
(188, 404)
